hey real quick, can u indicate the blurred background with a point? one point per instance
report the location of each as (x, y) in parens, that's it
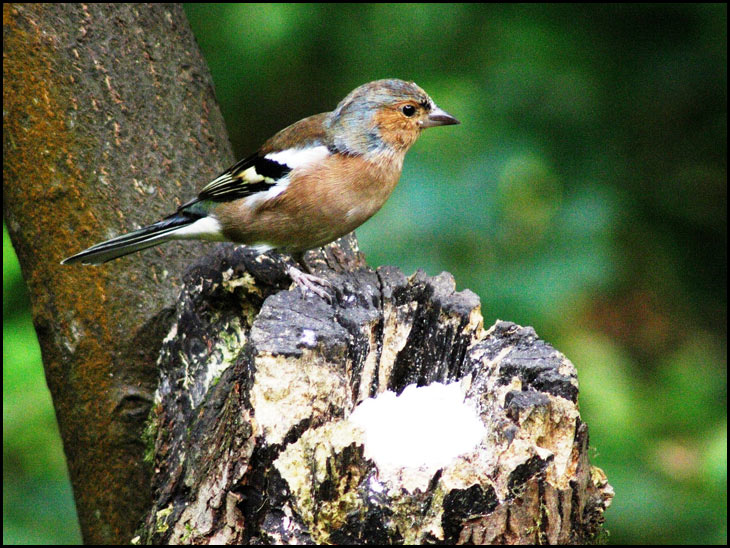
(584, 193)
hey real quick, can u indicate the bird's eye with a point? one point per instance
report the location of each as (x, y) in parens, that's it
(408, 110)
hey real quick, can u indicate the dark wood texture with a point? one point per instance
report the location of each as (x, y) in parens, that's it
(250, 437)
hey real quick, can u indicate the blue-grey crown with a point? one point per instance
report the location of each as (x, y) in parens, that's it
(352, 122)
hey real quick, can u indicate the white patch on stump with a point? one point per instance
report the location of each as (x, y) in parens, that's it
(426, 427)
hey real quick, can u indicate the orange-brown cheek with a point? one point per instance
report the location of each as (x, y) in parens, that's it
(396, 130)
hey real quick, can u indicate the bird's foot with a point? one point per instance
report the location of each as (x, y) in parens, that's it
(315, 284)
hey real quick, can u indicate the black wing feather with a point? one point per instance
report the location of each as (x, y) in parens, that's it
(232, 185)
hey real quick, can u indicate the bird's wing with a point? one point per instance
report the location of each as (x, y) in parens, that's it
(266, 172)
(251, 175)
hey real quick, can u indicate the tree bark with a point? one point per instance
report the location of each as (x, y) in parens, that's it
(258, 432)
(109, 120)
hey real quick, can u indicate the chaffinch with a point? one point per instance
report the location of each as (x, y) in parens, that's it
(308, 185)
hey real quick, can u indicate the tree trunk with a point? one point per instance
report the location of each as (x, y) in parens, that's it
(265, 426)
(109, 117)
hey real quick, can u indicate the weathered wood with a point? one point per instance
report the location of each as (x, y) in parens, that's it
(251, 436)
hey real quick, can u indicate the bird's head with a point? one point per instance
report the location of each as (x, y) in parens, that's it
(384, 116)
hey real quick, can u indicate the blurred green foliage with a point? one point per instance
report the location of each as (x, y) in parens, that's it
(585, 193)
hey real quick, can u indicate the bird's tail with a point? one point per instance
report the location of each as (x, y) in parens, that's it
(176, 226)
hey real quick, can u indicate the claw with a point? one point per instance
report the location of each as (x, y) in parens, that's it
(314, 283)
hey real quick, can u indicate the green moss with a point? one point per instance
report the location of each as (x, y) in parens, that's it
(161, 525)
(149, 435)
(189, 533)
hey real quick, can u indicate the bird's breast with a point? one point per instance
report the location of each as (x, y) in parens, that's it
(345, 189)
(320, 203)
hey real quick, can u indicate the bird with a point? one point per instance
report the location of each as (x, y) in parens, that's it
(311, 183)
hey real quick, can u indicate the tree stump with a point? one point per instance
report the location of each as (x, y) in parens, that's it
(386, 416)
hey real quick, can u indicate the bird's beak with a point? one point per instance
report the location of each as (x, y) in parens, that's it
(439, 117)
